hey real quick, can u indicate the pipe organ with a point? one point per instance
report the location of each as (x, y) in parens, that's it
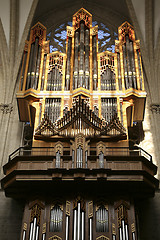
(86, 107)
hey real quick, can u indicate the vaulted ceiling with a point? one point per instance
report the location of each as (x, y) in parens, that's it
(53, 13)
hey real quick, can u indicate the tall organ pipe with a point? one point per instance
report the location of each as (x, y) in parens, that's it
(133, 66)
(140, 71)
(68, 64)
(35, 83)
(119, 71)
(43, 73)
(125, 67)
(94, 62)
(29, 67)
(23, 67)
(34, 63)
(86, 58)
(81, 61)
(129, 62)
(76, 60)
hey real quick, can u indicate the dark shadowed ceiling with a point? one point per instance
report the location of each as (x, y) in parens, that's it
(52, 13)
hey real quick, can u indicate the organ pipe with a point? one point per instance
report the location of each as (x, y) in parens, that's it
(79, 221)
(35, 82)
(94, 62)
(82, 226)
(90, 229)
(34, 61)
(119, 72)
(28, 83)
(139, 66)
(86, 58)
(75, 224)
(81, 61)
(23, 69)
(68, 64)
(125, 67)
(24, 235)
(31, 230)
(43, 72)
(128, 61)
(67, 227)
(76, 60)
(133, 66)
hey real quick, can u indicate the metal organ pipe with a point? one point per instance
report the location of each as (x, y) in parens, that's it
(31, 231)
(94, 62)
(79, 221)
(139, 66)
(125, 67)
(119, 72)
(68, 63)
(75, 224)
(34, 62)
(76, 60)
(43, 73)
(67, 229)
(90, 229)
(35, 83)
(129, 61)
(28, 83)
(86, 84)
(82, 226)
(81, 61)
(133, 66)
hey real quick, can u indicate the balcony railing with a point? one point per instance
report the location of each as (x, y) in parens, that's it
(49, 151)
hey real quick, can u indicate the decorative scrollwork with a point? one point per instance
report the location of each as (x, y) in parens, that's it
(6, 108)
(155, 108)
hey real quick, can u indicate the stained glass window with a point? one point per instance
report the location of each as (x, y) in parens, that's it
(106, 37)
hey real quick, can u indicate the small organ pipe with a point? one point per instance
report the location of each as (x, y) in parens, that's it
(86, 58)
(37, 231)
(24, 235)
(90, 229)
(123, 230)
(76, 60)
(83, 226)
(67, 220)
(34, 229)
(133, 236)
(68, 64)
(79, 221)
(81, 61)
(31, 231)
(75, 224)
(120, 234)
(126, 231)
(94, 62)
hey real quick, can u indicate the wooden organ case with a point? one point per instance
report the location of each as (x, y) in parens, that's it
(80, 169)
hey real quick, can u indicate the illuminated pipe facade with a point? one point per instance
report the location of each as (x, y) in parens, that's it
(96, 87)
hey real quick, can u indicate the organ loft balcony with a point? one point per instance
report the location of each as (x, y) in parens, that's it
(81, 149)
